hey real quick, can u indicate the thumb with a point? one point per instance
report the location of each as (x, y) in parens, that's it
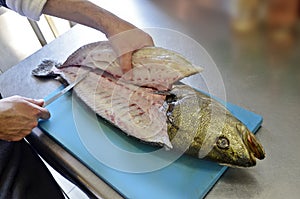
(44, 113)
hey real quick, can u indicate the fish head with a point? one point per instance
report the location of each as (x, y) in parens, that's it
(236, 146)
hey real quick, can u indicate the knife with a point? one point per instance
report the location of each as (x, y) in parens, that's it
(62, 92)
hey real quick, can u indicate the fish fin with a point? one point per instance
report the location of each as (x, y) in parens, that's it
(48, 68)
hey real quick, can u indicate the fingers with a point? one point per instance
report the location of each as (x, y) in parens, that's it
(42, 113)
(126, 40)
(39, 102)
(125, 62)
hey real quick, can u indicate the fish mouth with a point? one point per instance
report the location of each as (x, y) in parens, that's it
(254, 146)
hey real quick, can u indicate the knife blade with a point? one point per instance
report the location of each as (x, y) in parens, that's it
(62, 92)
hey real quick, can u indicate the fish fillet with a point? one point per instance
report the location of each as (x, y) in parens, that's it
(153, 67)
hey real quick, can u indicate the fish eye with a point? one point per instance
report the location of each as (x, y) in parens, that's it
(223, 143)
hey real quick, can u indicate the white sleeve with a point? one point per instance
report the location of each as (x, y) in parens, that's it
(29, 8)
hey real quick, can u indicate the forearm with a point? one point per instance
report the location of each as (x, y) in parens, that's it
(87, 13)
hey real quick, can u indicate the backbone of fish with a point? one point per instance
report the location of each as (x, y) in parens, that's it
(145, 103)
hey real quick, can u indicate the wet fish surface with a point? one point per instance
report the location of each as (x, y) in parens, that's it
(146, 104)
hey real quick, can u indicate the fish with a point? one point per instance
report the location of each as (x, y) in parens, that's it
(147, 103)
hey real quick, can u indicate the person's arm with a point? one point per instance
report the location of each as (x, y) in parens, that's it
(124, 36)
(87, 13)
(19, 115)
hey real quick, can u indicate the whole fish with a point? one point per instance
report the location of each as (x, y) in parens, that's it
(146, 104)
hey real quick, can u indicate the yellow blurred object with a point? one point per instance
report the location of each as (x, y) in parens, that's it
(245, 15)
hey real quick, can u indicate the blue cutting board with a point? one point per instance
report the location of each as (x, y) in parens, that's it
(78, 129)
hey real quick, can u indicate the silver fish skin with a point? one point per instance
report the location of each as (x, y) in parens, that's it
(179, 118)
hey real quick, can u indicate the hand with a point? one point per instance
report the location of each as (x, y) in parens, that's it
(19, 115)
(125, 37)
(126, 40)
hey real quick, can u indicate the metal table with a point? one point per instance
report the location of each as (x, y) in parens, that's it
(258, 74)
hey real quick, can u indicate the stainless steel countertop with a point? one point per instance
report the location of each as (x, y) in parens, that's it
(258, 74)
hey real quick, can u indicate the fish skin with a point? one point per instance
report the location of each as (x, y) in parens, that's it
(197, 123)
(181, 119)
